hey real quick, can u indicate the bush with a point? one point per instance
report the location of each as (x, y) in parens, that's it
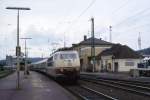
(1, 67)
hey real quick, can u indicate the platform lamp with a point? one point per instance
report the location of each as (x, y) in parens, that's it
(18, 48)
(26, 65)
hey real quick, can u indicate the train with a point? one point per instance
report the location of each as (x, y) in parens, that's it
(61, 64)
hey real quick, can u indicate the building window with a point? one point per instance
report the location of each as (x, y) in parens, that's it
(129, 63)
(79, 51)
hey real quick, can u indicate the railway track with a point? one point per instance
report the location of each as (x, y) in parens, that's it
(92, 89)
(147, 84)
(142, 90)
(86, 93)
(133, 82)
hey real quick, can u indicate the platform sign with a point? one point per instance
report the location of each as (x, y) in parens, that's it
(18, 51)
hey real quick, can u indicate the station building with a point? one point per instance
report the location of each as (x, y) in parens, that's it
(10, 61)
(118, 58)
(84, 50)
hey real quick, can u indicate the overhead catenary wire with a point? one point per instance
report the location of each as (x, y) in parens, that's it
(77, 18)
(93, 1)
(64, 18)
(133, 16)
(120, 7)
(137, 27)
(124, 4)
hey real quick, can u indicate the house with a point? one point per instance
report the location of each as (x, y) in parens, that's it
(118, 58)
(84, 50)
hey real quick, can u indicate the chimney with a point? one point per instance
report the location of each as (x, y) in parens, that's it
(85, 37)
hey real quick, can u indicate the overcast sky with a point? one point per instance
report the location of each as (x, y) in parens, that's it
(49, 21)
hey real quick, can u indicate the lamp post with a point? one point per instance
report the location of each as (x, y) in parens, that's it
(18, 48)
(26, 65)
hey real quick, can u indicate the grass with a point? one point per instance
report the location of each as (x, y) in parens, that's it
(4, 73)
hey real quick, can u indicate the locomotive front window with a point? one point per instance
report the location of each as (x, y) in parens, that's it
(55, 57)
(68, 56)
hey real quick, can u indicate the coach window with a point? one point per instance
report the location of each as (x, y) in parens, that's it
(55, 56)
(50, 62)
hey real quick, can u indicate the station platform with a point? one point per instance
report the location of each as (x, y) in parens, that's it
(34, 87)
(121, 76)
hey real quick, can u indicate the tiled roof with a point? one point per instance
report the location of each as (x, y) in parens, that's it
(96, 42)
(120, 52)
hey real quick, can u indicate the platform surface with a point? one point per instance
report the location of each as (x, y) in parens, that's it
(34, 87)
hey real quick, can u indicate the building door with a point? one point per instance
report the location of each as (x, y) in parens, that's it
(105, 68)
(81, 64)
(90, 64)
(109, 67)
(116, 66)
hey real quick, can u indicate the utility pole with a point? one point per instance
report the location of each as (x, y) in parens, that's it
(110, 35)
(92, 44)
(64, 40)
(139, 41)
(18, 48)
(25, 65)
(139, 45)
